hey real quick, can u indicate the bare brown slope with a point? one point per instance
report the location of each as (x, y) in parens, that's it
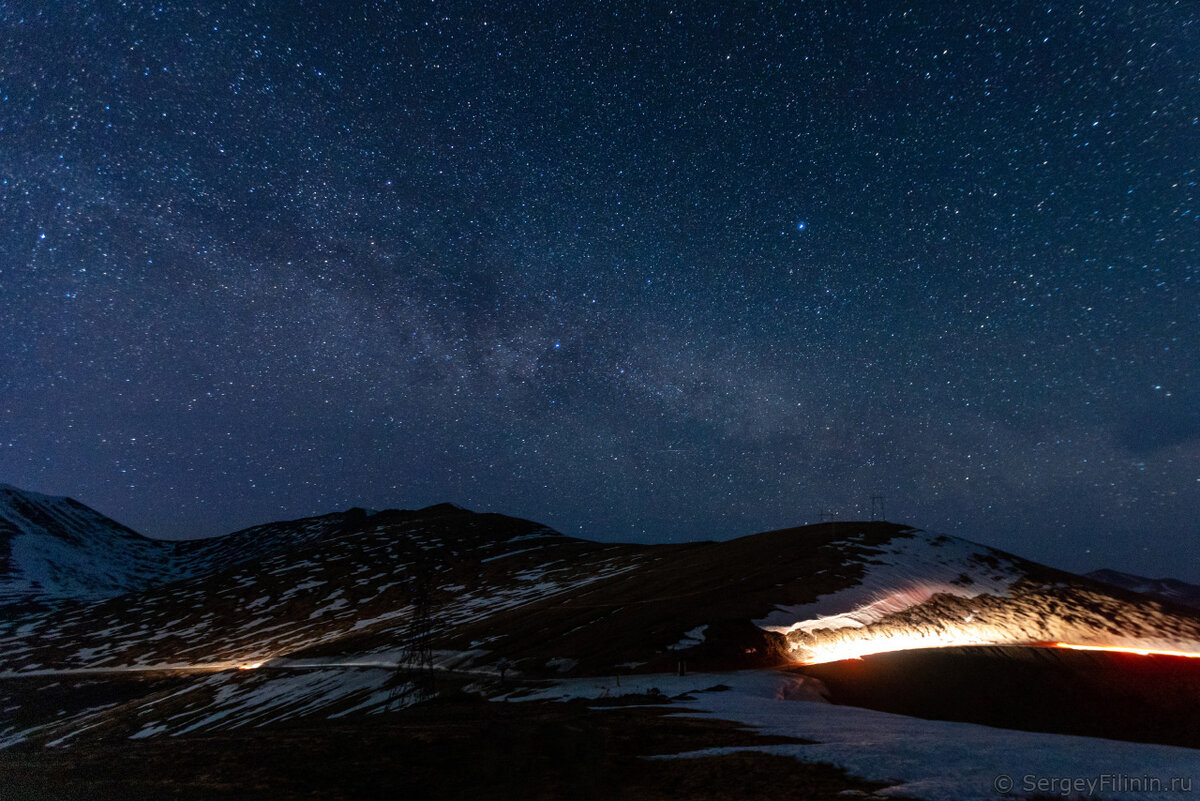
(635, 617)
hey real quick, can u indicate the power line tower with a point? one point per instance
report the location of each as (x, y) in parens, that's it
(877, 510)
(415, 665)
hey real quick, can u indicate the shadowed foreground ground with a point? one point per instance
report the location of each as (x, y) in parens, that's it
(458, 748)
(1150, 699)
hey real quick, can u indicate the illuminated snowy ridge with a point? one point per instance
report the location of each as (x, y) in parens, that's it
(921, 590)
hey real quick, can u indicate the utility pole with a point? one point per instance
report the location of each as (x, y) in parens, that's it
(415, 665)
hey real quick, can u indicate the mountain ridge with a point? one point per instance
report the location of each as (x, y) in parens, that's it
(337, 613)
(56, 549)
(1165, 589)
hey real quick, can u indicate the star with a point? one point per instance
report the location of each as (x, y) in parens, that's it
(345, 246)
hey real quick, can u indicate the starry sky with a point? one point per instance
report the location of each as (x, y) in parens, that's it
(644, 271)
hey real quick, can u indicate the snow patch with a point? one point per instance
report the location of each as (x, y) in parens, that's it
(690, 639)
(562, 664)
(904, 572)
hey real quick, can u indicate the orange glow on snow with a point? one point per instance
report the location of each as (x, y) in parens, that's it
(851, 647)
(1123, 649)
(854, 643)
(249, 666)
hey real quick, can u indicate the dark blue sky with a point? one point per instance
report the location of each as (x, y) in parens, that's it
(548, 260)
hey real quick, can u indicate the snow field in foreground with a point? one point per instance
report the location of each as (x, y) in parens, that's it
(929, 759)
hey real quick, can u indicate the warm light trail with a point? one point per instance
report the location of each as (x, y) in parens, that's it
(1124, 649)
(839, 651)
(854, 643)
(861, 633)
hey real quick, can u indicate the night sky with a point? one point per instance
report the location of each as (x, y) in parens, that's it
(640, 271)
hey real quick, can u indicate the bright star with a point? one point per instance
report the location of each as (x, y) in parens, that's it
(800, 226)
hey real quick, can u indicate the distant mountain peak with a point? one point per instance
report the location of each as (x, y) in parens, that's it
(54, 547)
(1165, 589)
(34, 496)
(443, 508)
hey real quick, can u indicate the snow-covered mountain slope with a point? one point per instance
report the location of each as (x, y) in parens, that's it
(351, 581)
(213, 554)
(344, 591)
(199, 702)
(1165, 589)
(342, 588)
(55, 548)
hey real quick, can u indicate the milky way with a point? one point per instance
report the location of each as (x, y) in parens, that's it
(640, 271)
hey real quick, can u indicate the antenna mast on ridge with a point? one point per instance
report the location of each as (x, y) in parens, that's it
(877, 510)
